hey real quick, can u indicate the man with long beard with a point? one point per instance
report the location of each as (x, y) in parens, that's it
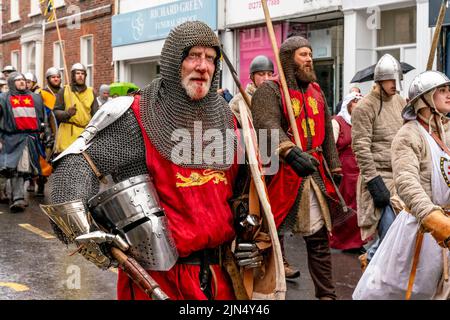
(301, 193)
(132, 137)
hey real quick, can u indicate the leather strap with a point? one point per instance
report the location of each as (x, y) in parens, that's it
(412, 275)
(94, 168)
(435, 137)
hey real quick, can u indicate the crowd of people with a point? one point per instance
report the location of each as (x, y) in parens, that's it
(38, 123)
(368, 180)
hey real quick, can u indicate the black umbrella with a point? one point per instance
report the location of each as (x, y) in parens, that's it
(367, 73)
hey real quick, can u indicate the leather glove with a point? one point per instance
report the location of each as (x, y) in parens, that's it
(301, 162)
(379, 192)
(248, 255)
(438, 224)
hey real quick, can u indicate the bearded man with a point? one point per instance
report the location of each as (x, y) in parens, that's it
(74, 108)
(142, 135)
(302, 194)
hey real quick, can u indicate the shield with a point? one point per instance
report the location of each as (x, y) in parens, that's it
(368, 73)
(272, 284)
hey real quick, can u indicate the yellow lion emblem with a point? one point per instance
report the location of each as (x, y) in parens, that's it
(296, 106)
(313, 104)
(198, 179)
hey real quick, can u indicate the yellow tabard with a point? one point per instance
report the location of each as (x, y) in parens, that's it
(69, 131)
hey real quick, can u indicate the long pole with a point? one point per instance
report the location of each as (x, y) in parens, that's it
(66, 71)
(42, 72)
(436, 35)
(236, 79)
(284, 86)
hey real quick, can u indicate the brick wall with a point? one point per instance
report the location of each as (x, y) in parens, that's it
(96, 23)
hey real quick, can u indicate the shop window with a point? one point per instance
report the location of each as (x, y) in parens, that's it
(397, 27)
(58, 60)
(393, 52)
(87, 57)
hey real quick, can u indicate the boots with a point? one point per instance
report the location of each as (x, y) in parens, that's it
(18, 205)
(31, 185)
(290, 272)
(41, 186)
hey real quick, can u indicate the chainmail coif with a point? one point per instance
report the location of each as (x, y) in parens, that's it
(166, 107)
(287, 51)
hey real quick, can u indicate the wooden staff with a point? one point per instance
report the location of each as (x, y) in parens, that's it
(284, 86)
(42, 71)
(66, 71)
(236, 79)
(436, 35)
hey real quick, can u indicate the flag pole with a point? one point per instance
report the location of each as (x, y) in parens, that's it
(42, 71)
(66, 71)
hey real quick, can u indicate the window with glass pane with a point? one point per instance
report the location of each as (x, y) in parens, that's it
(397, 27)
(15, 10)
(393, 52)
(34, 7)
(87, 58)
(58, 59)
(15, 59)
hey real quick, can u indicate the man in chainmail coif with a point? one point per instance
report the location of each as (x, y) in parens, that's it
(302, 194)
(160, 133)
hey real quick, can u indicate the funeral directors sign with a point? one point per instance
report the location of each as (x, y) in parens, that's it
(155, 23)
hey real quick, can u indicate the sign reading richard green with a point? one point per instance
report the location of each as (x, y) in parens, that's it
(156, 22)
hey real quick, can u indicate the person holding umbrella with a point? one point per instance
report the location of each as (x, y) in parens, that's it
(375, 122)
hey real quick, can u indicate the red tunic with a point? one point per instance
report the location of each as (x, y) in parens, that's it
(199, 216)
(347, 235)
(285, 184)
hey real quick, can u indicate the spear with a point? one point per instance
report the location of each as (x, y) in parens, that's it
(283, 82)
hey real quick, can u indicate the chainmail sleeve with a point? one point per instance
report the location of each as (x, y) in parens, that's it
(117, 150)
(267, 112)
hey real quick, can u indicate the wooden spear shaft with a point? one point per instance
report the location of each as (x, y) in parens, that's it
(66, 71)
(284, 86)
(437, 33)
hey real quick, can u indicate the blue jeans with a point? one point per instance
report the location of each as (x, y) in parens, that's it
(387, 217)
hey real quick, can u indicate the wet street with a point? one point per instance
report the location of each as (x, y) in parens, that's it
(35, 265)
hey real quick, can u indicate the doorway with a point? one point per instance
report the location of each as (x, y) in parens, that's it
(325, 77)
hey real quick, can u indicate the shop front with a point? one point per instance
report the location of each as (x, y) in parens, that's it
(319, 21)
(138, 36)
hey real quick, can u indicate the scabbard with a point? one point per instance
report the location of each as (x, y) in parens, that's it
(139, 276)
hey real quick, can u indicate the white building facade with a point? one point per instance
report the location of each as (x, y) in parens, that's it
(375, 27)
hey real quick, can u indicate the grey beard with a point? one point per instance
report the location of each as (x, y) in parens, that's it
(305, 76)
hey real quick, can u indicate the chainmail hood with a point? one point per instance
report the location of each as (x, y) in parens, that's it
(12, 83)
(287, 51)
(166, 107)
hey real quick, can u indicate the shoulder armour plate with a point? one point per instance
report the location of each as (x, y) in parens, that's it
(105, 116)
